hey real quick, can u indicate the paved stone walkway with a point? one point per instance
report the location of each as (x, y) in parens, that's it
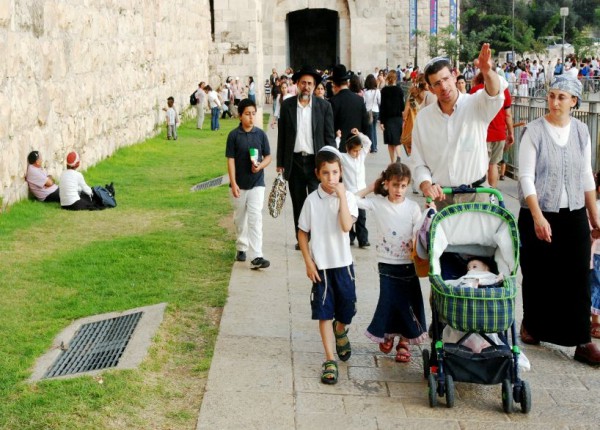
(266, 366)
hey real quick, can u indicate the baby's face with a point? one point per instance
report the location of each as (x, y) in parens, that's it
(477, 265)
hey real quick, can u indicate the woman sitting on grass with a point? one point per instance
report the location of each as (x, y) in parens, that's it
(75, 194)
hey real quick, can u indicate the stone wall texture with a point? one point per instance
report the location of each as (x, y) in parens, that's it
(92, 76)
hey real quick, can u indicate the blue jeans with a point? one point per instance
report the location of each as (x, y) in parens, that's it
(373, 132)
(214, 118)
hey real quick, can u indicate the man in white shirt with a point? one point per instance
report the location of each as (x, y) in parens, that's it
(304, 126)
(449, 137)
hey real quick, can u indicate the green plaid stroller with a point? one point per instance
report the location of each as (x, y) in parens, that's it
(489, 231)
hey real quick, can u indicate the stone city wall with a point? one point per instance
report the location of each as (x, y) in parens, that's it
(92, 76)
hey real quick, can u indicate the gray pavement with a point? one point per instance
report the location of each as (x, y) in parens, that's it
(266, 365)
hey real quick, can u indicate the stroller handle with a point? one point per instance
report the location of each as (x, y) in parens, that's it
(463, 189)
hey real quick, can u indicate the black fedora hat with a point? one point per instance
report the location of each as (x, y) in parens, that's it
(339, 74)
(307, 70)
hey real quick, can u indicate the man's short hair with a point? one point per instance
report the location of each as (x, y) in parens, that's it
(435, 65)
(170, 99)
(244, 104)
(33, 157)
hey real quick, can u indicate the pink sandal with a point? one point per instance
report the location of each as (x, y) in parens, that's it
(402, 352)
(386, 347)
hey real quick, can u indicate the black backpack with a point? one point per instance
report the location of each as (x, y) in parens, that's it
(193, 99)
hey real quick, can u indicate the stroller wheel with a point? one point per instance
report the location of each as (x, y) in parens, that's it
(432, 390)
(525, 397)
(426, 369)
(449, 391)
(507, 396)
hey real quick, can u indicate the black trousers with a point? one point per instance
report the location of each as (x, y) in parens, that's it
(359, 229)
(302, 182)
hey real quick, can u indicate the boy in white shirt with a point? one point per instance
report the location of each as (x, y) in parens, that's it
(327, 215)
(172, 120)
(358, 147)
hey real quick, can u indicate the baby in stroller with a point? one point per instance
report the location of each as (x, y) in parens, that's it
(479, 275)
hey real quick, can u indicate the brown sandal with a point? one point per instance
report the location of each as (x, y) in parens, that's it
(402, 352)
(595, 330)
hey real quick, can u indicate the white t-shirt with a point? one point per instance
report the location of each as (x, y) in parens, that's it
(396, 225)
(171, 116)
(71, 184)
(329, 245)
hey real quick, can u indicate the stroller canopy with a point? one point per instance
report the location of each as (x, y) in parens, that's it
(477, 229)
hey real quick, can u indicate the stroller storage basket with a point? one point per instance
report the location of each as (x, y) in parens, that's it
(489, 310)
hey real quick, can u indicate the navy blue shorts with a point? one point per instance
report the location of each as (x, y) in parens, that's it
(335, 295)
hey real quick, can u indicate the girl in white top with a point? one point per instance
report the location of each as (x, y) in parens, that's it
(400, 311)
(283, 95)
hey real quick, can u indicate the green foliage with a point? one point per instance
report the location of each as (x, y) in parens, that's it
(162, 243)
(492, 22)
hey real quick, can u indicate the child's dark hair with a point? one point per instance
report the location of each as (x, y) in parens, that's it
(352, 142)
(394, 170)
(244, 104)
(326, 157)
(171, 99)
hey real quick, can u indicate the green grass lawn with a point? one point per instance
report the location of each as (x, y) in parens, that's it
(161, 244)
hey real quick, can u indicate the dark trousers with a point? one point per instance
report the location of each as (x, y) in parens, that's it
(54, 197)
(85, 203)
(302, 182)
(226, 112)
(359, 229)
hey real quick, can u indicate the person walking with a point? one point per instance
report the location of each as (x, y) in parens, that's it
(556, 186)
(390, 114)
(349, 109)
(305, 125)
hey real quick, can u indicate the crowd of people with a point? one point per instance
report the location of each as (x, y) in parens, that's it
(442, 136)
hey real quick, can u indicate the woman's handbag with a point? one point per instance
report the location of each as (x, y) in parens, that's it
(277, 196)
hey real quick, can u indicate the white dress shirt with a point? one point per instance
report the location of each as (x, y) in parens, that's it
(304, 132)
(451, 150)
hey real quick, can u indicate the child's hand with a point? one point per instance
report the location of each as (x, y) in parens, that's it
(312, 272)
(355, 131)
(431, 205)
(338, 133)
(339, 189)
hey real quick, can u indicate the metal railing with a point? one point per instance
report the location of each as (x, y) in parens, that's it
(529, 108)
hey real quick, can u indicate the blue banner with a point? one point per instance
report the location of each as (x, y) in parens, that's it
(412, 25)
(453, 16)
(433, 17)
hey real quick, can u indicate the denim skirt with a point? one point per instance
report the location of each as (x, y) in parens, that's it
(400, 310)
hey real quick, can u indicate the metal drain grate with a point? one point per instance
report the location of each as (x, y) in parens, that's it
(95, 346)
(216, 182)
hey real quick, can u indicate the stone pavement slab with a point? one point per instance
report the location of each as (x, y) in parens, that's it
(266, 366)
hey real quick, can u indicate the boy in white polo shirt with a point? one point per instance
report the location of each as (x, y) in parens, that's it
(328, 215)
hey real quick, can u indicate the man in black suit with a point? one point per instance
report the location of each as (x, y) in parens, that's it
(305, 125)
(349, 109)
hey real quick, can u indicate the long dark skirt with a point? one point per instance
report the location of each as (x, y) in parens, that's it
(556, 291)
(400, 310)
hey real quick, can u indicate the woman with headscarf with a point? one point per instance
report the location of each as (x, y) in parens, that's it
(556, 186)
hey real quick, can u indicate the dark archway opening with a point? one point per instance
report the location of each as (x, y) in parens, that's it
(313, 38)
